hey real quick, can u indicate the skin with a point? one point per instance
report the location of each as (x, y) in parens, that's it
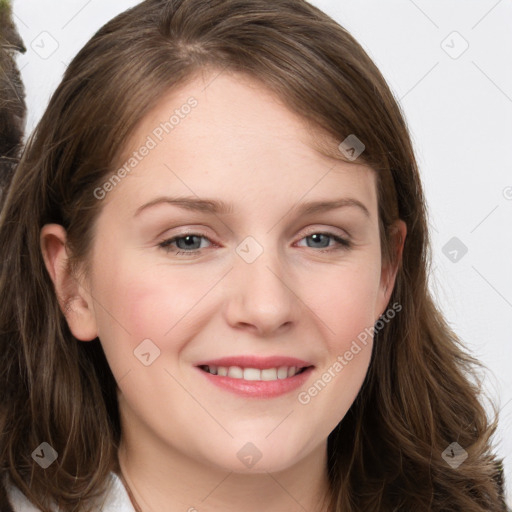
(181, 435)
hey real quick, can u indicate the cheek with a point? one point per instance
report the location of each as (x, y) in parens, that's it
(346, 310)
(345, 300)
(138, 302)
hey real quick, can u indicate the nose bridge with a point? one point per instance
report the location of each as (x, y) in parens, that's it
(261, 295)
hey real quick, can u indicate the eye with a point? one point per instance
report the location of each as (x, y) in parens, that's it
(186, 242)
(319, 240)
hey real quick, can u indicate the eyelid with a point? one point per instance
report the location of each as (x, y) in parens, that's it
(182, 231)
(328, 231)
(165, 241)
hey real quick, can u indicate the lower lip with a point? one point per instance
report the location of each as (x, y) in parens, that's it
(258, 388)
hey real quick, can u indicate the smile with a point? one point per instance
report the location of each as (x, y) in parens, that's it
(253, 374)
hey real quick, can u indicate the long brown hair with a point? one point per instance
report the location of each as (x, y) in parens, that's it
(421, 392)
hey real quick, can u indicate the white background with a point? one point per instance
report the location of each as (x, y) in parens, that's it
(459, 112)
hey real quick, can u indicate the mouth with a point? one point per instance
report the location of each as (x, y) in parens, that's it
(254, 374)
(256, 377)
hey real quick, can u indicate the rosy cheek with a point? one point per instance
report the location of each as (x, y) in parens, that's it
(157, 303)
(353, 339)
(150, 309)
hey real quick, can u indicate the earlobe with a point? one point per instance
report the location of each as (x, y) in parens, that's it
(389, 272)
(75, 302)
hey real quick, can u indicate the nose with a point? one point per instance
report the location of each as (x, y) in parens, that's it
(261, 296)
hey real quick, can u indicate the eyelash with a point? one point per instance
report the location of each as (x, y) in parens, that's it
(344, 244)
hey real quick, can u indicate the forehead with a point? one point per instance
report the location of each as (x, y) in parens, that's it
(227, 134)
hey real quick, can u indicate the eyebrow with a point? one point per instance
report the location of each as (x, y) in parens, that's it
(215, 206)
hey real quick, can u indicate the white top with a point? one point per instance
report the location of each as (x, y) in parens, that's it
(115, 499)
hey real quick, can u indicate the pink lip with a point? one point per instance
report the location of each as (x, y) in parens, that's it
(256, 362)
(258, 388)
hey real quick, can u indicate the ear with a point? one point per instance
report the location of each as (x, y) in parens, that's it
(75, 301)
(389, 270)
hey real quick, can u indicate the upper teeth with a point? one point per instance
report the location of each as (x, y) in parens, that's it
(236, 372)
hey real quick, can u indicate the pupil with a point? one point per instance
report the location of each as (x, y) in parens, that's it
(188, 240)
(315, 238)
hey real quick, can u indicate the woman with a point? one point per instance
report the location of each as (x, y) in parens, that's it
(257, 370)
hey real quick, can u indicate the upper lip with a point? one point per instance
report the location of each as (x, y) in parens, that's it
(256, 362)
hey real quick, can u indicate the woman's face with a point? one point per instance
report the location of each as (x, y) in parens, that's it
(265, 282)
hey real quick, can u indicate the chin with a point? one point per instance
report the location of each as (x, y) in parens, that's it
(258, 457)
